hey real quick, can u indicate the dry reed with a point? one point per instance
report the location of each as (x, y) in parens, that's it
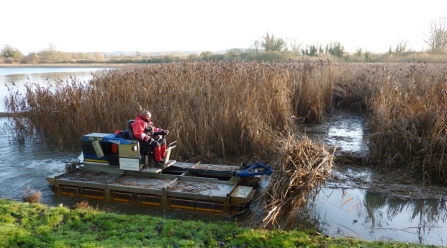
(214, 110)
(219, 110)
(82, 205)
(301, 169)
(407, 105)
(32, 196)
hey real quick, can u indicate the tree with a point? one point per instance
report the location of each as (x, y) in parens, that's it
(255, 47)
(193, 57)
(206, 55)
(359, 52)
(50, 54)
(311, 50)
(294, 47)
(436, 38)
(98, 56)
(336, 49)
(31, 58)
(10, 52)
(270, 43)
(367, 56)
(401, 47)
(233, 53)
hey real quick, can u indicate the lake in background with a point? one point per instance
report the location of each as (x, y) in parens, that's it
(366, 215)
(16, 78)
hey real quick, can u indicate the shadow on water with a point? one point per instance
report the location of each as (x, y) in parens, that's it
(339, 209)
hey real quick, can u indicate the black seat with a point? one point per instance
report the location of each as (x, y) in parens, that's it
(129, 129)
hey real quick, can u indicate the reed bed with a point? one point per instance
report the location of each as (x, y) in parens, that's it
(214, 110)
(221, 111)
(409, 121)
(407, 108)
(217, 112)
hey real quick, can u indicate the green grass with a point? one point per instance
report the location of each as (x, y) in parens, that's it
(38, 225)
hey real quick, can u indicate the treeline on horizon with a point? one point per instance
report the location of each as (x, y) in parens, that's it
(267, 49)
(333, 51)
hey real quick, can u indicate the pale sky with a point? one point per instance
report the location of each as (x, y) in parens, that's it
(208, 25)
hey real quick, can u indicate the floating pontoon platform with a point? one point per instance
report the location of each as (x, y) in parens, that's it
(115, 169)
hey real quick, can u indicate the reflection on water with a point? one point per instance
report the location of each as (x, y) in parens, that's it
(344, 131)
(335, 212)
(343, 210)
(361, 214)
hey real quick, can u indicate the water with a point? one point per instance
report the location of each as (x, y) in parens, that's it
(362, 214)
(16, 78)
(336, 211)
(341, 209)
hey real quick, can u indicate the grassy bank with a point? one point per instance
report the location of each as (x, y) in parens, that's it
(38, 225)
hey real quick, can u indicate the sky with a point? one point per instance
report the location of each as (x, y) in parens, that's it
(209, 25)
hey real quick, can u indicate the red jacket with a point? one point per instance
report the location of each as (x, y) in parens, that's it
(138, 127)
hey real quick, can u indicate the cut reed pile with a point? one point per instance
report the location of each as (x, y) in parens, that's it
(32, 196)
(301, 168)
(214, 110)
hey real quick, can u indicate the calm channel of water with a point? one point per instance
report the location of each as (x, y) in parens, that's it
(366, 215)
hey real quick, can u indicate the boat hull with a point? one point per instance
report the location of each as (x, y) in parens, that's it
(154, 189)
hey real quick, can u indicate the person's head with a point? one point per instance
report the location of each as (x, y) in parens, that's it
(146, 114)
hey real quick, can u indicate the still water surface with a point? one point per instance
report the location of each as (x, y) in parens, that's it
(335, 211)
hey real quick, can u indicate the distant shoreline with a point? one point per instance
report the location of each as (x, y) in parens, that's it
(61, 65)
(4, 114)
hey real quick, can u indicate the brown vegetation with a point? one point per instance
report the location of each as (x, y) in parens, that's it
(407, 106)
(219, 110)
(82, 205)
(32, 196)
(301, 168)
(214, 110)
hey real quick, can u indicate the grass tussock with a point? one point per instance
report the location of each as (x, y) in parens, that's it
(301, 169)
(32, 196)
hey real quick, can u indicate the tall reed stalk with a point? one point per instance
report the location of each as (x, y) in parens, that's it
(407, 107)
(214, 110)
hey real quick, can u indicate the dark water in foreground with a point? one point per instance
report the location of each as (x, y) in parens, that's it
(348, 212)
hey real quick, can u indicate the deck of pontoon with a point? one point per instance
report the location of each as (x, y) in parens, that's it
(150, 187)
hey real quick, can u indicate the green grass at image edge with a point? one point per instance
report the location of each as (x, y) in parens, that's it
(38, 225)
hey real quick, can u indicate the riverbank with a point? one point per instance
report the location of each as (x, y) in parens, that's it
(24, 224)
